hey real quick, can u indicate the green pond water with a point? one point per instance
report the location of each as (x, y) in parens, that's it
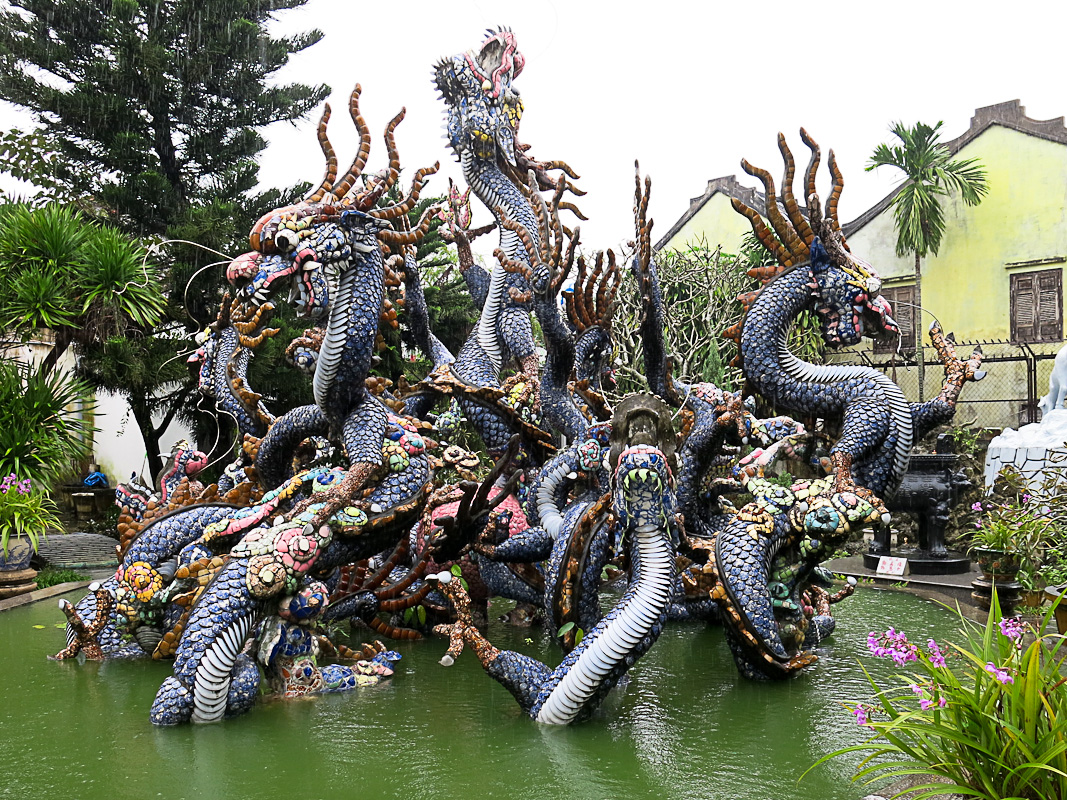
(685, 726)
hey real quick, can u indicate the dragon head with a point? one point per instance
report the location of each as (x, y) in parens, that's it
(845, 289)
(336, 227)
(483, 107)
(847, 299)
(643, 487)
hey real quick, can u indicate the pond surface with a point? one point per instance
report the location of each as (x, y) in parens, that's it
(686, 725)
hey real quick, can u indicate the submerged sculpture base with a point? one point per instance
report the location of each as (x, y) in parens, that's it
(921, 563)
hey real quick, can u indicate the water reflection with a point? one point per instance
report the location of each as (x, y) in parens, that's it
(685, 726)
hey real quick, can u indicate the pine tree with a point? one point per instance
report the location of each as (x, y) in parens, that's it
(149, 111)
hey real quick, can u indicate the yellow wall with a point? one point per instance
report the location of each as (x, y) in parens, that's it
(716, 222)
(1022, 218)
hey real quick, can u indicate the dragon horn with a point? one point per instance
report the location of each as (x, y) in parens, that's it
(786, 234)
(360, 161)
(792, 208)
(331, 159)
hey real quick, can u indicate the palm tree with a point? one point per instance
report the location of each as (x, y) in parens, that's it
(929, 174)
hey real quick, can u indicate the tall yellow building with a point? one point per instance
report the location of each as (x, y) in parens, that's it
(998, 276)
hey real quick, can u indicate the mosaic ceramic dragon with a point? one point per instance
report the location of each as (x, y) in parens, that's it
(183, 461)
(340, 510)
(763, 561)
(483, 113)
(642, 506)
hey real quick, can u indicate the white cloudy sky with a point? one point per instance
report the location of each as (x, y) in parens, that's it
(687, 88)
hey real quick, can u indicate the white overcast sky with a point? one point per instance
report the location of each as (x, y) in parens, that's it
(687, 88)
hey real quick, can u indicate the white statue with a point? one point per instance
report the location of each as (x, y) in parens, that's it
(1057, 385)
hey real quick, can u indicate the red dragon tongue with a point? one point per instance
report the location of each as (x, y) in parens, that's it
(880, 307)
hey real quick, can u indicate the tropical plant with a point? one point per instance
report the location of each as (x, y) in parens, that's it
(984, 719)
(1027, 521)
(84, 281)
(43, 427)
(25, 512)
(930, 173)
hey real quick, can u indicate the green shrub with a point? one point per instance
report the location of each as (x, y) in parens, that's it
(53, 577)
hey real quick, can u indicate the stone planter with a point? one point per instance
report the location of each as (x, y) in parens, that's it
(1054, 593)
(998, 574)
(997, 565)
(1033, 598)
(19, 553)
(16, 577)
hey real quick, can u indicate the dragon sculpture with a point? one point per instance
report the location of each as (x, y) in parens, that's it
(764, 560)
(341, 510)
(642, 505)
(183, 462)
(483, 113)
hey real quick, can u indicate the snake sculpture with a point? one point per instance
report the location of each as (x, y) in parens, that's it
(182, 462)
(642, 505)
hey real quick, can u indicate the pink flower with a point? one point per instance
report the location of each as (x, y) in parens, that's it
(976, 507)
(892, 645)
(862, 715)
(1012, 628)
(937, 658)
(1000, 674)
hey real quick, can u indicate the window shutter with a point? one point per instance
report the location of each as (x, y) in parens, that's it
(1037, 306)
(1023, 323)
(902, 301)
(1049, 317)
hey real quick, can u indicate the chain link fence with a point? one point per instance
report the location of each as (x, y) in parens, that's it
(1017, 378)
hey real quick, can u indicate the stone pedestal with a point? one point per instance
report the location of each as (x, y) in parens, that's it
(929, 490)
(1008, 594)
(16, 582)
(1029, 449)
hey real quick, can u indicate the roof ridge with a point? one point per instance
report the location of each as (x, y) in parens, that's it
(1009, 114)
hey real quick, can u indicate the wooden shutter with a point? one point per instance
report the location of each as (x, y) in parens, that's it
(902, 301)
(1049, 316)
(1037, 306)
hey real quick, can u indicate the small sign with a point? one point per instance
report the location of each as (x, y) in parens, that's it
(892, 565)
